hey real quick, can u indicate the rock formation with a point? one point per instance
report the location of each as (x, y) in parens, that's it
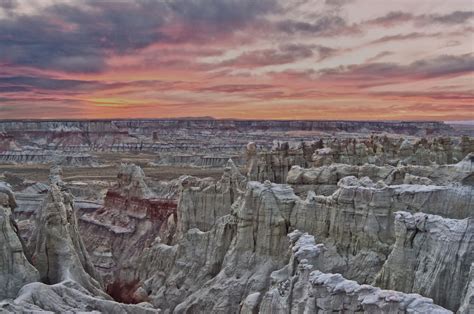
(15, 269)
(46, 157)
(274, 165)
(202, 202)
(239, 252)
(131, 217)
(320, 222)
(59, 252)
(436, 254)
(300, 287)
(241, 247)
(467, 305)
(66, 297)
(61, 259)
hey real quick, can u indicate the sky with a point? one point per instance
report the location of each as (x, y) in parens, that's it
(243, 59)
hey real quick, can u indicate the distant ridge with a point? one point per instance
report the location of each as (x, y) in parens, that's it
(209, 118)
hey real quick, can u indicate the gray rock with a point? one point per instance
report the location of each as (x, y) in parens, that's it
(15, 269)
(431, 256)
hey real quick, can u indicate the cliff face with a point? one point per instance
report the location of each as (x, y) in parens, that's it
(334, 158)
(214, 270)
(147, 126)
(235, 236)
(131, 217)
(59, 252)
(60, 257)
(275, 164)
(467, 305)
(225, 137)
(345, 223)
(300, 288)
(15, 269)
(356, 222)
(47, 157)
(436, 254)
(203, 201)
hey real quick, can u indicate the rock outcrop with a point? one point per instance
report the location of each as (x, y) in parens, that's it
(48, 157)
(203, 161)
(274, 165)
(431, 256)
(239, 252)
(15, 269)
(240, 248)
(131, 217)
(300, 287)
(327, 153)
(59, 252)
(467, 305)
(203, 201)
(317, 223)
(66, 297)
(63, 266)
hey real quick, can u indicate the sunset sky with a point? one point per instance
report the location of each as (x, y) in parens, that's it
(246, 59)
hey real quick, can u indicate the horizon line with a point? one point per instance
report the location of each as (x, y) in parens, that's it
(206, 118)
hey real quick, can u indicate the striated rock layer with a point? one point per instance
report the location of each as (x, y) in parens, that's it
(61, 260)
(129, 220)
(300, 287)
(15, 269)
(242, 249)
(436, 254)
(59, 252)
(383, 151)
(230, 239)
(323, 180)
(213, 271)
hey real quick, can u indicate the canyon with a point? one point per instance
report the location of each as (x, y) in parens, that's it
(235, 216)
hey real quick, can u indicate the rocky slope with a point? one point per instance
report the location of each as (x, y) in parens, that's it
(243, 248)
(274, 165)
(436, 253)
(370, 224)
(129, 220)
(300, 287)
(15, 269)
(67, 284)
(48, 157)
(240, 248)
(59, 253)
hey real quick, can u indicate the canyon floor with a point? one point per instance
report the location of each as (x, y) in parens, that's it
(223, 216)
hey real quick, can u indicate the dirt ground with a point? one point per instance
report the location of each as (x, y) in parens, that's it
(108, 172)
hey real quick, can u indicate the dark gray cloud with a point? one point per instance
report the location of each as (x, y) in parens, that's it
(79, 38)
(221, 13)
(410, 36)
(30, 83)
(392, 18)
(457, 17)
(13, 89)
(284, 54)
(379, 56)
(338, 3)
(75, 39)
(398, 17)
(23, 83)
(325, 25)
(441, 66)
(8, 4)
(237, 88)
(324, 52)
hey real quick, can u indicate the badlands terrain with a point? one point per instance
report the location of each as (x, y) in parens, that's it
(224, 216)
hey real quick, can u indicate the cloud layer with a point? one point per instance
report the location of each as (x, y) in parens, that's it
(332, 59)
